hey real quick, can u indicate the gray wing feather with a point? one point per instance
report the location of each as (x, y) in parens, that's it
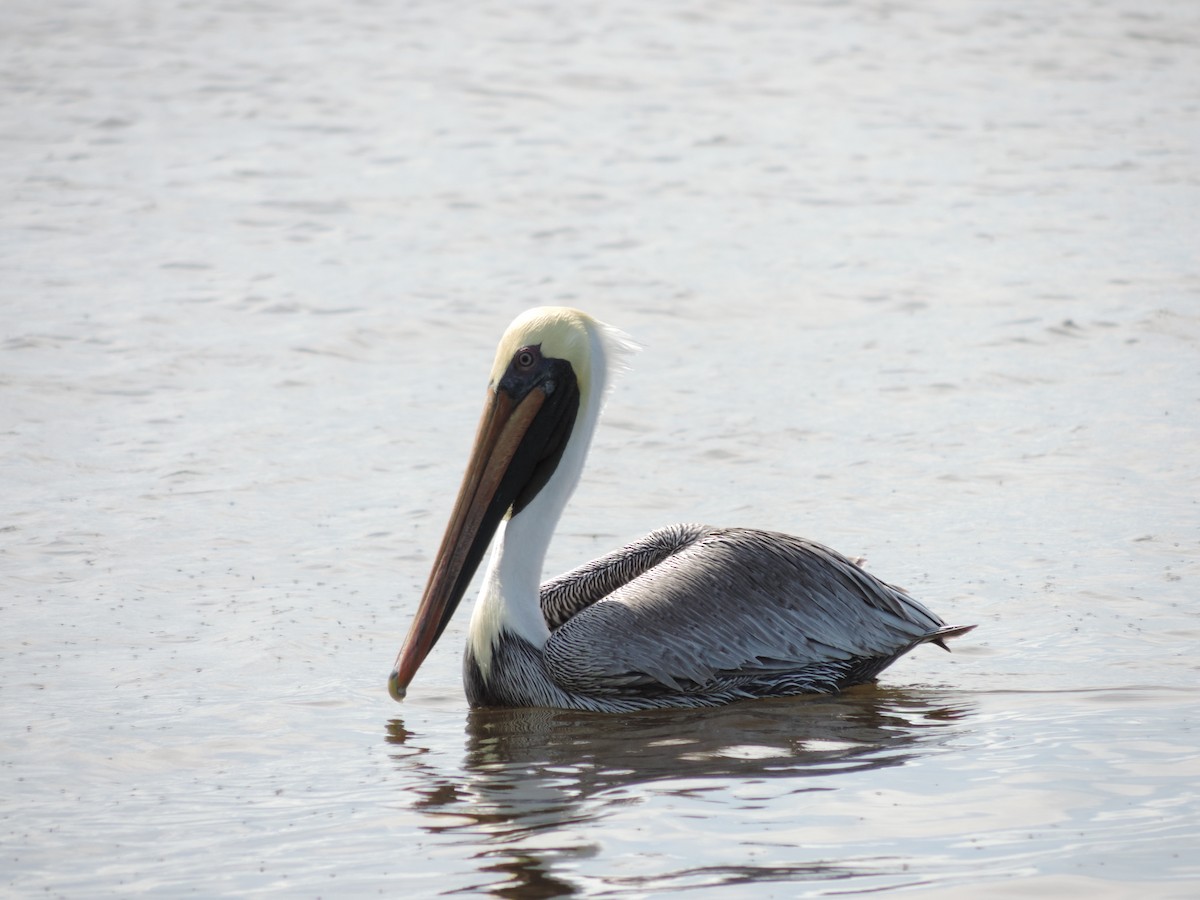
(734, 602)
(568, 594)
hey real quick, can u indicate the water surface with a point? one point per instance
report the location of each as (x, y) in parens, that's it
(919, 282)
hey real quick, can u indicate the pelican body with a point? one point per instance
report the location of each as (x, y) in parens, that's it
(687, 616)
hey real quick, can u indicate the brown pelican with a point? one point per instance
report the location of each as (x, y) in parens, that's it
(687, 616)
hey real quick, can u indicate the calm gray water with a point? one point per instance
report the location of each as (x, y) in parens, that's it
(916, 280)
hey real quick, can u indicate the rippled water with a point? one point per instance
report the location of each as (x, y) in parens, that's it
(918, 281)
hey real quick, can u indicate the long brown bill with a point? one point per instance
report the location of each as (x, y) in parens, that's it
(473, 521)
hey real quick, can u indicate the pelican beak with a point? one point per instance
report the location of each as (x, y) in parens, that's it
(476, 515)
(525, 427)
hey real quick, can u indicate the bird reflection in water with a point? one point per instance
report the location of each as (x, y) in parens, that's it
(530, 773)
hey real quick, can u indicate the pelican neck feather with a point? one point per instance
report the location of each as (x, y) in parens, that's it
(508, 600)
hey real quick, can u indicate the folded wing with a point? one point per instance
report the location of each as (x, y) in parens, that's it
(734, 606)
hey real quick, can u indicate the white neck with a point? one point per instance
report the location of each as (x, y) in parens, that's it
(509, 598)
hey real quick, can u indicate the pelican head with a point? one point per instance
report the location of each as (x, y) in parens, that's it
(541, 407)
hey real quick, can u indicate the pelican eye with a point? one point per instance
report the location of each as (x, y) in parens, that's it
(525, 358)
